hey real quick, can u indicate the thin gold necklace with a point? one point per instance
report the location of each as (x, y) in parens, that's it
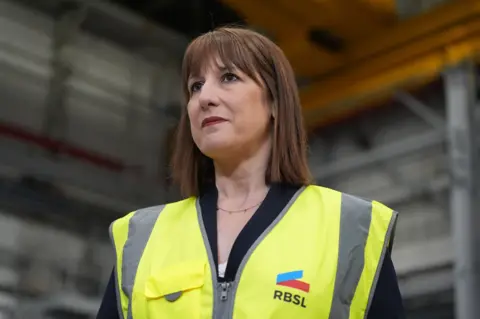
(240, 210)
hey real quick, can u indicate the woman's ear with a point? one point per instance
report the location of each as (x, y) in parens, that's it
(273, 111)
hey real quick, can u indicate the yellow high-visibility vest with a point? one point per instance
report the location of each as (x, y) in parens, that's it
(319, 259)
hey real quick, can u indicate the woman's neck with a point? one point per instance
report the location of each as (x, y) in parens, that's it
(242, 178)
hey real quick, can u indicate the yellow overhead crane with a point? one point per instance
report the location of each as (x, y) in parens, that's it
(379, 54)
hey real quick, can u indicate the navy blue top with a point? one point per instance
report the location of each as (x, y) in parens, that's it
(386, 302)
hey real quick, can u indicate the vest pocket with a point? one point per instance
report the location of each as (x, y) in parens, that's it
(175, 291)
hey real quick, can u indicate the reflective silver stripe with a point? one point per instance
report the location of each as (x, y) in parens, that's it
(139, 230)
(356, 215)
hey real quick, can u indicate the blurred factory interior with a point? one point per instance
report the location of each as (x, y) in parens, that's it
(91, 94)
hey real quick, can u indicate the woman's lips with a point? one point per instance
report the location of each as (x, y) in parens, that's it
(212, 120)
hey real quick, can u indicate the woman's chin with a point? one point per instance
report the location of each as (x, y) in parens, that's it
(217, 148)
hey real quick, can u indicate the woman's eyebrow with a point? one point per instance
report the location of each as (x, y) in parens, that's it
(193, 78)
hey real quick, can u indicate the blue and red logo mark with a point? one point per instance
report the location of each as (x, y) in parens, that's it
(291, 279)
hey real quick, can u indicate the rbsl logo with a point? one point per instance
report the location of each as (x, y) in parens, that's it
(291, 279)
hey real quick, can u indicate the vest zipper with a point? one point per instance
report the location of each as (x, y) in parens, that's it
(225, 304)
(224, 288)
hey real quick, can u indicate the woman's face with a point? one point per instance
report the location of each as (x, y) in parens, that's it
(229, 113)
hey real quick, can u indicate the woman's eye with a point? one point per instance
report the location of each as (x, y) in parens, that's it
(195, 87)
(229, 77)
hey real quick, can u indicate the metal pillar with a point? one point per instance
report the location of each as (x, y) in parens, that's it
(461, 101)
(70, 16)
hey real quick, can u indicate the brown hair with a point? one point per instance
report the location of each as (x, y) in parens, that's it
(263, 61)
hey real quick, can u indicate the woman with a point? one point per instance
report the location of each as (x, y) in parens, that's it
(254, 238)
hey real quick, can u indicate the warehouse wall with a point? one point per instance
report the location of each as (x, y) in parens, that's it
(44, 259)
(115, 102)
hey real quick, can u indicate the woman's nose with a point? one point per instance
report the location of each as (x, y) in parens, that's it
(208, 95)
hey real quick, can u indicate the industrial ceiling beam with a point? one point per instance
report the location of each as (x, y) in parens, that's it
(338, 96)
(409, 50)
(385, 40)
(429, 43)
